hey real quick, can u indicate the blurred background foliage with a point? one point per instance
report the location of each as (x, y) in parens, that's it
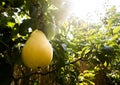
(84, 54)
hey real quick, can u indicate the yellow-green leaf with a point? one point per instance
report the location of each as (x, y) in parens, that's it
(105, 63)
(116, 30)
(10, 24)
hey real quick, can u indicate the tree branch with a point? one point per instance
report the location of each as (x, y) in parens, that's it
(49, 72)
(74, 61)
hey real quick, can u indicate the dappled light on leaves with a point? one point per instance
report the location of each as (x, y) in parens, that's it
(73, 50)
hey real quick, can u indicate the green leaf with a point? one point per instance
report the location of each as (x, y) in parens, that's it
(116, 29)
(105, 64)
(10, 24)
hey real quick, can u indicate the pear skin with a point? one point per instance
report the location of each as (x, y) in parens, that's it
(37, 51)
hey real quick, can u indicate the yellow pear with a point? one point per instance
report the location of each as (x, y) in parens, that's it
(37, 51)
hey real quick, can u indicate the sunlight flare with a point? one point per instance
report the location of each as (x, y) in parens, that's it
(87, 9)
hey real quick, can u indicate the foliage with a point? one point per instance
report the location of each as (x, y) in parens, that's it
(83, 53)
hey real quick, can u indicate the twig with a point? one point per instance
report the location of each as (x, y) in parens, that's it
(72, 62)
(4, 44)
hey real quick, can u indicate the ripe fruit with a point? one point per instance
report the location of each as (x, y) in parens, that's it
(37, 51)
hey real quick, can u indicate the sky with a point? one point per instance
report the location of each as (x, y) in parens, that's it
(92, 10)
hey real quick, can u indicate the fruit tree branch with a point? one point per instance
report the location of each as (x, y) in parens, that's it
(49, 72)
